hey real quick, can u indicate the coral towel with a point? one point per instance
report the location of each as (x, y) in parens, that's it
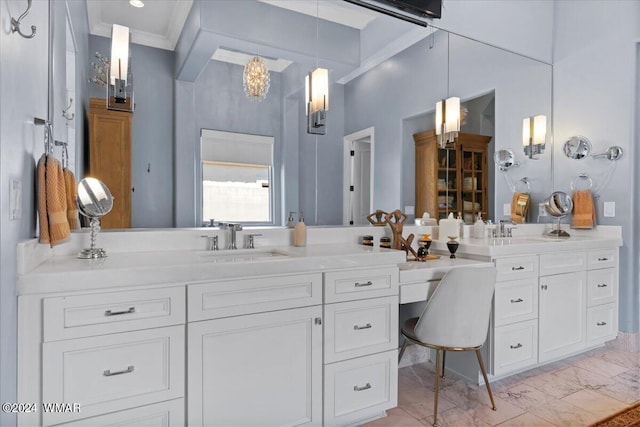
(71, 188)
(584, 211)
(52, 201)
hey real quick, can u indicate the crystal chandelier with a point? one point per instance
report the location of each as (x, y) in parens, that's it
(255, 79)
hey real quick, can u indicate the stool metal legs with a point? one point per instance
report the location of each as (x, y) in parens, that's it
(486, 380)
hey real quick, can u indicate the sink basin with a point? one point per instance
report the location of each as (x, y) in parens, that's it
(242, 255)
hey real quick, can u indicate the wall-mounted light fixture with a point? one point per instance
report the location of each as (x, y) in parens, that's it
(447, 120)
(534, 134)
(317, 100)
(120, 87)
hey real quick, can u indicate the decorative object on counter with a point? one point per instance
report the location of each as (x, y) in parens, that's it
(449, 227)
(255, 79)
(579, 147)
(300, 232)
(534, 135)
(385, 242)
(378, 218)
(584, 210)
(453, 246)
(423, 248)
(478, 227)
(15, 23)
(427, 220)
(405, 245)
(290, 222)
(94, 201)
(367, 240)
(558, 205)
(396, 221)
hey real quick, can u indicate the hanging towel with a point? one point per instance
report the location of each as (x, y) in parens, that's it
(71, 189)
(42, 199)
(584, 211)
(52, 201)
(520, 207)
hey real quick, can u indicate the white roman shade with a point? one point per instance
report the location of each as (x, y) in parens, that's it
(229, 147)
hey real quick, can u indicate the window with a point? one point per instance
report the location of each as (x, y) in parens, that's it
(237, 176)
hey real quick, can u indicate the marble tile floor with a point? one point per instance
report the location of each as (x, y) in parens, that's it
(573, 392)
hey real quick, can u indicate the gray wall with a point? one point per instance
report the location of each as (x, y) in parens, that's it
(594, 98)
(152, 144)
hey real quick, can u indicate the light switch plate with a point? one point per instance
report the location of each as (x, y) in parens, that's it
(542, 210)
(506, 209)
(409, 210)
(609, 209)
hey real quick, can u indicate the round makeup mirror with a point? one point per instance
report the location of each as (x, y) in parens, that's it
(94, 201)
(577, 147)
(504, 159)
(558, 205)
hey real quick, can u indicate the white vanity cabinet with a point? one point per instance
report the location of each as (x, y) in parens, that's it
(360, 344)
(258, 360)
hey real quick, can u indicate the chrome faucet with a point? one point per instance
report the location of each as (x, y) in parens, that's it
(212, 242)
(505, 228)
(232, 227)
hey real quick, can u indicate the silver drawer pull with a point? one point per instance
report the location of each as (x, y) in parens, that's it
(602, 285)
(358, 328)
(117, 313)
(603, 259)
(367, 386)
(517, 268)
(601, 323)
(513, 301)
(108, 372)
(513, 347)
(359, 285)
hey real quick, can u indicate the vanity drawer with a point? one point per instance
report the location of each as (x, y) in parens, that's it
(113, 372)
(602, 324)
(106, 313)
(562, 262)
(164, 414)
(226, 298)
(602, 286)
(515, 347)
(514, 268)
(359, 284)
(360, 388)
(358, 328)
(515, 301)
(603, 258)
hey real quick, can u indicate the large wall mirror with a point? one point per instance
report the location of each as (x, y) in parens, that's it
(386, 75)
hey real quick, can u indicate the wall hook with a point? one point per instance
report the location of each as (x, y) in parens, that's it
(65, 112)
(15, 23)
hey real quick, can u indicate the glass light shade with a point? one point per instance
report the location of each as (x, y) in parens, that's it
(452, 115)
(526, 131)
(317, 89)
(438, 117)
(539, 129)
(119, 53)
(255, 79)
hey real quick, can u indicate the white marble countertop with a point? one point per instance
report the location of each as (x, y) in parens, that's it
(122, 269)
(417, 271)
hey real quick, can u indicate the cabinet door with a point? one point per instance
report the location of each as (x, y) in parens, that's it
(562, 317)
(261, 369)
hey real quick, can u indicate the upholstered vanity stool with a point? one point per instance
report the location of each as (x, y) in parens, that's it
(456, 318)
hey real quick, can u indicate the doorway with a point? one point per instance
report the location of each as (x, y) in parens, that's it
(358, 177)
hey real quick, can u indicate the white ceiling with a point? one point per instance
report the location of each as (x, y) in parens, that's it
(157, 24)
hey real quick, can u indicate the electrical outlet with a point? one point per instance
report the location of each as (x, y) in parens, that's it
(609, 209)
(506, 209)
(542, 210)
(409, 210)
(15, 199)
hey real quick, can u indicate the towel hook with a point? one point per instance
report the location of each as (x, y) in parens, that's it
(524, 181)
(583, 176)
(65, 153)
(65, 112)
(48, 134)
(15, 23)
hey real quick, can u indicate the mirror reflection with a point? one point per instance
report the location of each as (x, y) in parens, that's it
(385, 75)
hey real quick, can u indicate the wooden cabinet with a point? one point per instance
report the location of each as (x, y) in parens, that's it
(257, 369)
(453, 179)
(110, 159)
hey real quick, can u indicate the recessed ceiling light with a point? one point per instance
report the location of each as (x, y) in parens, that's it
(136, 3)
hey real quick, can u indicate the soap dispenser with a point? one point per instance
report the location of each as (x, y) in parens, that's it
(478, 227)
(290, 223)
(300, 232)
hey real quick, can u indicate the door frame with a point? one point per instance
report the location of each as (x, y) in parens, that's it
(348, 140)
